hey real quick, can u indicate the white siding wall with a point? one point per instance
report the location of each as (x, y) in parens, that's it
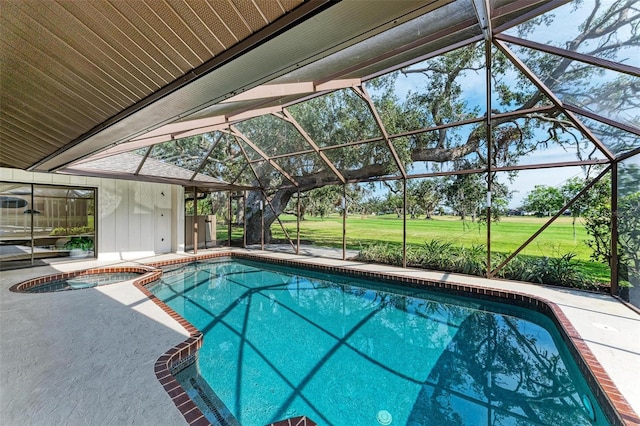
(134, 219)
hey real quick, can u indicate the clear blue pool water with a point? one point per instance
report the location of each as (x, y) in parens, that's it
(282, 342)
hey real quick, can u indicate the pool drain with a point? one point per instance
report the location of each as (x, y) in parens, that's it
(384, 417)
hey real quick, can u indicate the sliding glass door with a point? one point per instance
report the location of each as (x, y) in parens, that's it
(40, 222)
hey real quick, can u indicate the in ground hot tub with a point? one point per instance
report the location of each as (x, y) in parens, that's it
(80, 279)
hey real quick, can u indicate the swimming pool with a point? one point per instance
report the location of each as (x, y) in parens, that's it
(282, 342)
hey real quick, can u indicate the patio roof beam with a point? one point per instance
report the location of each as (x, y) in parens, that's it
(362, 93)
(547, 92)
(605, 120)
(446, 32)
(483, 13)
(246, 157)
(235, 132)
(269, 91)
(237, 176)
(591, 60)
(430, 55)
(628, 154)
(221, 185)
(175, 129)
(525, 111)
(286, 115)
(206, 157)
(320, 89)
(118, 149)
(287, 155)
(146, 155)
(509, 8)
(216, 124)
(576, 163)
(438, 127)
(251, 113)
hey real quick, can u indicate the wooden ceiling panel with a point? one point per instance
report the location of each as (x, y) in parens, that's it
(146, 35)
(228, 12)
(68, 66)
(252, 14)
(219, 29)
(199, 27)
(271, 9)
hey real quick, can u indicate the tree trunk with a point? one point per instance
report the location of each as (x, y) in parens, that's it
(253, 217)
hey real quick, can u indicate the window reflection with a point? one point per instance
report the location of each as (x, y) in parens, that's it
(628, 226)
(41, 222)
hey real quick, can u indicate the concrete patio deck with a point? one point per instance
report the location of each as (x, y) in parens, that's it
(87, 357)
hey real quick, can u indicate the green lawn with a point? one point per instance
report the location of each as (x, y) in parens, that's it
(506, 235)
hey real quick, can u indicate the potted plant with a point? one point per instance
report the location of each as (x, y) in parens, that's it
(79, 246)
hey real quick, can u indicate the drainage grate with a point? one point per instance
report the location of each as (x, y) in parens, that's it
(205, 398)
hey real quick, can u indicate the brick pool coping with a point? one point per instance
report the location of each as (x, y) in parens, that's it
(24, 286)
(613, 403)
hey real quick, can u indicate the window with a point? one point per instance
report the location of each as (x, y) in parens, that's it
(39, 222)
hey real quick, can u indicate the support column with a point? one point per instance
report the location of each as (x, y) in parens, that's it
(230, 214)
(298, 223)
(404, 222)
(261, 225)
(487, 47)
(195, 220)
(33, 207)
(614, 230)
(244, 219)
(344, 222)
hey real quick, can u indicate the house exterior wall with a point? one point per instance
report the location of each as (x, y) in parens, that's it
(134, 219)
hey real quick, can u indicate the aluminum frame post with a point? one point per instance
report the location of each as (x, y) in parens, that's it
(298, 223)
(404, 222)
(229, 221)
(344, 222)
(244, 219)
(489, 124)
(615, 260)
(195, 221)
(261, 225)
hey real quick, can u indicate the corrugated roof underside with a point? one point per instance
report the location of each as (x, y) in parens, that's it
(68, 66)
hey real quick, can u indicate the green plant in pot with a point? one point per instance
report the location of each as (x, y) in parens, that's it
(79, 246)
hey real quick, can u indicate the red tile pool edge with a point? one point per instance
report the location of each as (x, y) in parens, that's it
(148, 274)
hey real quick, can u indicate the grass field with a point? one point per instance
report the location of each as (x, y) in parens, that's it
(506, 235)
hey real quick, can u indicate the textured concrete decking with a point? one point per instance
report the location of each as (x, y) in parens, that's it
(82, 357)
(86, 357)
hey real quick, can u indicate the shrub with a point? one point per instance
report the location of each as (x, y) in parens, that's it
(76, 230)
(381, 253)
(83, 243)
(444, 256)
